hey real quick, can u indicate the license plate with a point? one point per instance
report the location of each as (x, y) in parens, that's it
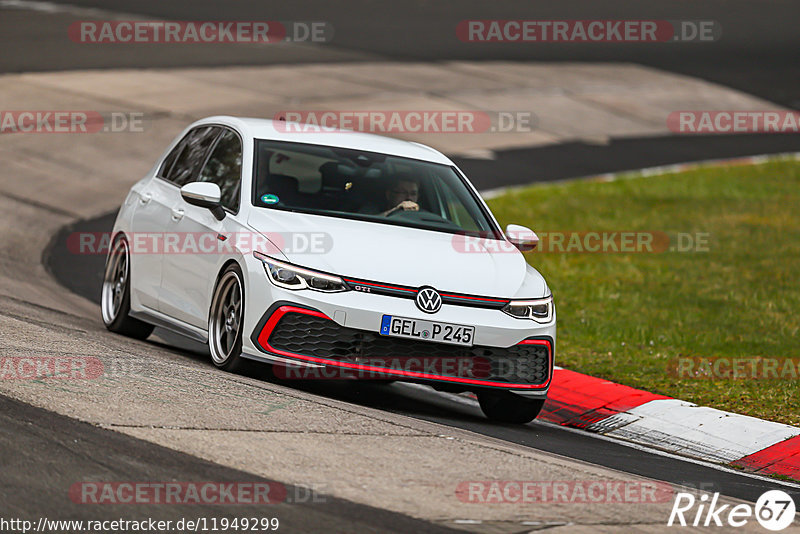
(455, 334)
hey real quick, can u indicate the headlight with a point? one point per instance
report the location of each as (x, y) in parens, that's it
(540, 310)
(290, 276)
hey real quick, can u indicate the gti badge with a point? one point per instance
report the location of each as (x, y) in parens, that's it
(428, 300)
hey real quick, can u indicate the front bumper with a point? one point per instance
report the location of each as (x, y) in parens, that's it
(302, 336)
(360, 314)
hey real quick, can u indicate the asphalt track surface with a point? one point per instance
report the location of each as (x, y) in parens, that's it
(514, 167)
(759, 54)
(758, 51)
(42, 452)
(82, 274)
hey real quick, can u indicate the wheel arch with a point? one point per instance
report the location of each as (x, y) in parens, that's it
(224, 267)
(227, 263)
(234, 361)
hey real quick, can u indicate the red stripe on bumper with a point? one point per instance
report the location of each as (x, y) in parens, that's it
(263, 341)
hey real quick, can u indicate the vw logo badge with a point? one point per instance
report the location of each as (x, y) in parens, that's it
(428, 300)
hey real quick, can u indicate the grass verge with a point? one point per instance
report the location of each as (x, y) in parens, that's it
(630, 317)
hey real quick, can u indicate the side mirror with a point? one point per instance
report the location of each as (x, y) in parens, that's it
(205, 195)
(521, 237)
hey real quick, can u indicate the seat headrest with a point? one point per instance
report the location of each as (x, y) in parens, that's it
(282, 184)
(335, 175)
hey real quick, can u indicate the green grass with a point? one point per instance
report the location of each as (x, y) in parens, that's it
(624, 316)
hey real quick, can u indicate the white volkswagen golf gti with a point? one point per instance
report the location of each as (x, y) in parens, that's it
(332, 254)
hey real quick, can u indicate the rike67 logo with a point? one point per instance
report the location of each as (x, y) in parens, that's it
(774, 510)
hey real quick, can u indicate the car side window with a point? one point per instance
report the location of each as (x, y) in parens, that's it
(189, 155)
(224, 168)
(169, 161)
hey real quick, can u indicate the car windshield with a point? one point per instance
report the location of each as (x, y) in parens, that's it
(367, 186)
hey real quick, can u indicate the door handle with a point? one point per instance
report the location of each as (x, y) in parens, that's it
(177, 214)
(144, 198)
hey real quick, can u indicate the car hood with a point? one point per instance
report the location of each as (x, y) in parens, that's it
(399, 255)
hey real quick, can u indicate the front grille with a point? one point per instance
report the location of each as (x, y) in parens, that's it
(322, 338)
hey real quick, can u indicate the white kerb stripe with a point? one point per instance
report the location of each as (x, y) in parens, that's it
(687, 429)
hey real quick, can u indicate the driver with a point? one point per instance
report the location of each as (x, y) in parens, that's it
(402, 195)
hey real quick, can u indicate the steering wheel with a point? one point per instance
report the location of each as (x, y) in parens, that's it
(421, 215)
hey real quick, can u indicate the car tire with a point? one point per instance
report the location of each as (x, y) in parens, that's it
(115, 297)
(506, 407)
(226, 320)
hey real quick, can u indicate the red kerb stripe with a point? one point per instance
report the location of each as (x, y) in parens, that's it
(578, 400)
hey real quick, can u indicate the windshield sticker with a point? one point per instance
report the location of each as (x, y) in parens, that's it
(270, 199)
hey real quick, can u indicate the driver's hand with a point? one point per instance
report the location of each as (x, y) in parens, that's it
(408, 205)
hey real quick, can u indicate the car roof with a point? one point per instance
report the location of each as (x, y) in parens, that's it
(266, 129)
